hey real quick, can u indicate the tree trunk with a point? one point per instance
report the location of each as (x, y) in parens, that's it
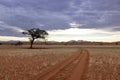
(31, 43)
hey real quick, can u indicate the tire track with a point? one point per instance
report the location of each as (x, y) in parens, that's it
(67, 69)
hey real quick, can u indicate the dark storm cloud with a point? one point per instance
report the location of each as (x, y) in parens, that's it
(58, 14)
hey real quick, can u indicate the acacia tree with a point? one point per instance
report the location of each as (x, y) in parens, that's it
(35, 33)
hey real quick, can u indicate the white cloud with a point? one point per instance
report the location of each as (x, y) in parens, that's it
(84, 34)
(75, 25)
(41, 24)
(75, 34)
(112, 28)
(79, 31)
(8, 38)
(4, 26)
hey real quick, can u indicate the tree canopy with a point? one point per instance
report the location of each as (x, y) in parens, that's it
(35, 33)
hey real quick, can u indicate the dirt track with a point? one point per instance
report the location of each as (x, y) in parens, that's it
(72, 68)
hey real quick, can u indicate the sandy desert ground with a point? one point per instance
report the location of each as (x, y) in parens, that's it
(104, 63)
(21, 63)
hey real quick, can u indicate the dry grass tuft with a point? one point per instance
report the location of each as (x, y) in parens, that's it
(24, 64)
(104, 64)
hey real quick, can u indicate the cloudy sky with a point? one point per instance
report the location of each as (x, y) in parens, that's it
(92, 20)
